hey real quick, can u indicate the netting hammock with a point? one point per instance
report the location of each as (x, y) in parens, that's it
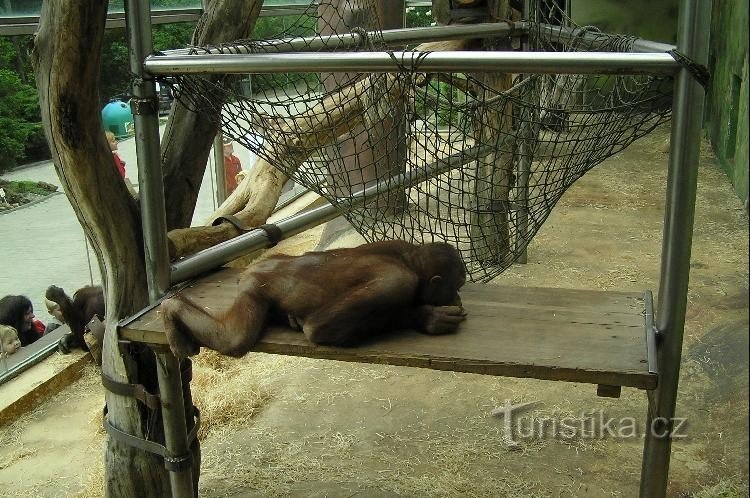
(477, 160)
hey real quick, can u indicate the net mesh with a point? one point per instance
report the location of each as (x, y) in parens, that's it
(477, 160)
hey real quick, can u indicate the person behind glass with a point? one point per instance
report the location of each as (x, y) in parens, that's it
(232, 166)
(9, 342)
(119, 163)
(18, 312)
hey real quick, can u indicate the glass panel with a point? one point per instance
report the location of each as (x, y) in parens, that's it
(20, 8)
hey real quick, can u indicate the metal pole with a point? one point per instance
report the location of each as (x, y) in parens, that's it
(401, 36)
(687, 116)
(154, 222)
(554, 33)
(146, 123)
(226, 251)
(455, 61)
(526, 130)
(221, 185)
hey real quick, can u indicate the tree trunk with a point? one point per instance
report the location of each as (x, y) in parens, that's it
(189, 135)
(490, 230)
(66, 60)
(66, 63)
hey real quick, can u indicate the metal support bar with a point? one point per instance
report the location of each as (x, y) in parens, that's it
(456, 61)
(176, 438)
(219, 173)
(687, 116)
(151, 186)
(527, 133)
(590, 39)
(155, 239)
(226, 251)
(401, 36)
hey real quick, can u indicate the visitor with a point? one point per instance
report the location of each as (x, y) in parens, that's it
(18, 312)
(9, 342)
(232, 166)
(119, 163)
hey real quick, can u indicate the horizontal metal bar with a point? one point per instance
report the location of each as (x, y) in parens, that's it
(28, 362)
(459, 61)
(226, 251)
(222, 253)
(591, 39)
(391, 37)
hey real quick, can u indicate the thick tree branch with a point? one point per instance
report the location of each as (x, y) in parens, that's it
(295, 139)
(189, 135)
(66, 62)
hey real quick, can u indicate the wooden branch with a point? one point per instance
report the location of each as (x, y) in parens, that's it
(295, 138)
(189, 136)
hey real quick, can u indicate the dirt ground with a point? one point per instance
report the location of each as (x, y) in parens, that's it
(276, 425)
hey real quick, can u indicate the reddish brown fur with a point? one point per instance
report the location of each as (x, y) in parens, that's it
(339, 297)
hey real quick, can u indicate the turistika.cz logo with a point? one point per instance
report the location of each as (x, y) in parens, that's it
(590, 424)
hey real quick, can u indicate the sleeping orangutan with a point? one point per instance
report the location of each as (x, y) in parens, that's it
(337, 297)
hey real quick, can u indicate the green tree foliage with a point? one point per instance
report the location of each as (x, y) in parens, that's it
(419, 17)
(20, 121)
(115, 72)
(21, 134)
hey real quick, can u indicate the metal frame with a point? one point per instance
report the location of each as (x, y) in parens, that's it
(694, 20)
(154, 222)
(513, 62)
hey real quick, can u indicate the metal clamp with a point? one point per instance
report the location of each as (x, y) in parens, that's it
(174, 463)
(700, 72)
(273, 232)
(144, 106)
(136, 391)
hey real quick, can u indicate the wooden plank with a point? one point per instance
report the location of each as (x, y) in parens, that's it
(557, 334)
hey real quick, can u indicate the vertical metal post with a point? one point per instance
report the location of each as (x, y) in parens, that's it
(219, 173)
(527, 134)
(687, 118)
(154, 222)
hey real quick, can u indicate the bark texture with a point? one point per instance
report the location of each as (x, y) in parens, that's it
(66, 57)
(189, 136)
(66, 63)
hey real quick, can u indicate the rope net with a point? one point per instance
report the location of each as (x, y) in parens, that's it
(477, 160)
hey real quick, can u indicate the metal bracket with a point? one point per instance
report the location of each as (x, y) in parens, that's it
(136, 391)
(273, 232)
(144, 106)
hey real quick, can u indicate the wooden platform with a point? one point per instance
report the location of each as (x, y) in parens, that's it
(557, 334)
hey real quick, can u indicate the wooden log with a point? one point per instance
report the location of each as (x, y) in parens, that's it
(490, 233)
(189, 135)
